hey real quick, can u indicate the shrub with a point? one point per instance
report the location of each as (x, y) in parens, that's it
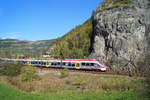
(11, 68)
(143, 65)
(74, 44)
(115, 4)
(64, 73)
(29, 74)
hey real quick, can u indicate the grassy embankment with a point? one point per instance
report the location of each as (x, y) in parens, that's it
(73, 86)
(19, 82)
(13, 94)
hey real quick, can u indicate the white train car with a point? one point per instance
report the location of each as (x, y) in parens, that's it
(65, 63)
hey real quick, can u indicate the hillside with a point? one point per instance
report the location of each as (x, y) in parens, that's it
(118, 32)
(121, 33)
(75, 44)
(13, 47)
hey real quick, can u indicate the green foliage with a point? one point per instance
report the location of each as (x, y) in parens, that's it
(75, 44)
(64, 73)
(8, 93)
(143, 65)
(76, 87)
(18, 48)
(11, 68)
(29, 74)
(115, 4)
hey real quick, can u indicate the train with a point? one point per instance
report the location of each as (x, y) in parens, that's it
(63, 63)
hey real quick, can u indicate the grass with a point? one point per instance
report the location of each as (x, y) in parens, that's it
(76, 82)
(7, 93)
(75, 86)
(115, 4)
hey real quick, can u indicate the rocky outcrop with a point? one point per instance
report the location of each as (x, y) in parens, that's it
(121, 33)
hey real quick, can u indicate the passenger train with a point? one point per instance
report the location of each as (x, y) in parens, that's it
(65, 63)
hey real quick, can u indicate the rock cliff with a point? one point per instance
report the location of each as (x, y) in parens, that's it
(121, 32)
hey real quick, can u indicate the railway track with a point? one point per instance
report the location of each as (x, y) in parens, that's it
(80, 71)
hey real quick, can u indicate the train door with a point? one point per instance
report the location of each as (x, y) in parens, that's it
(47, 64)
(29, 62)
(77, 65)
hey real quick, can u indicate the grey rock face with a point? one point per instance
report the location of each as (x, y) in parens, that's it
(121, 33)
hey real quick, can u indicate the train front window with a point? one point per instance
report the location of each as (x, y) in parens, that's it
(95, 64)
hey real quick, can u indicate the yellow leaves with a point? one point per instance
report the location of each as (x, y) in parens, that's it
(74, 44)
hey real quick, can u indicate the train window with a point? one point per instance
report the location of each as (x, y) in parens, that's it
(83, 64)
(69, 64)
(58, 63)
(44, 63)
(91, 64)
(63, 63)
(52, 63)
(24, 62)
(32, 62)
(87, 64)
(95, 64)
(73, 64)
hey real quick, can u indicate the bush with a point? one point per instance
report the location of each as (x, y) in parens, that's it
(143, 65)
(115, 4)
(64, 73)
(10, 68)
(29, 74)
(74, 44)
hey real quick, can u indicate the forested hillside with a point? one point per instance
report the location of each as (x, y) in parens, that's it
(75, 44)
(13, 47)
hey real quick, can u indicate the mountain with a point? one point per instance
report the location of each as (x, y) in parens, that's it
(121, 32)
(118, 32)
(75, 44)
(23, 48)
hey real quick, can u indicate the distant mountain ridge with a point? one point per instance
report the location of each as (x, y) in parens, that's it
(23, 47)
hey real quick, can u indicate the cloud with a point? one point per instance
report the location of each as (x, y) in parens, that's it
(12, 35)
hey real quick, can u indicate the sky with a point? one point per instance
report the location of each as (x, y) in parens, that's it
(42, 19)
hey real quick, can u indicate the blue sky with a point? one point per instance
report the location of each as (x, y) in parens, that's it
(42, 19)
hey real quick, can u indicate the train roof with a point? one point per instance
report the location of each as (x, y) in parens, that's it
(71, 60)
(63, 60)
